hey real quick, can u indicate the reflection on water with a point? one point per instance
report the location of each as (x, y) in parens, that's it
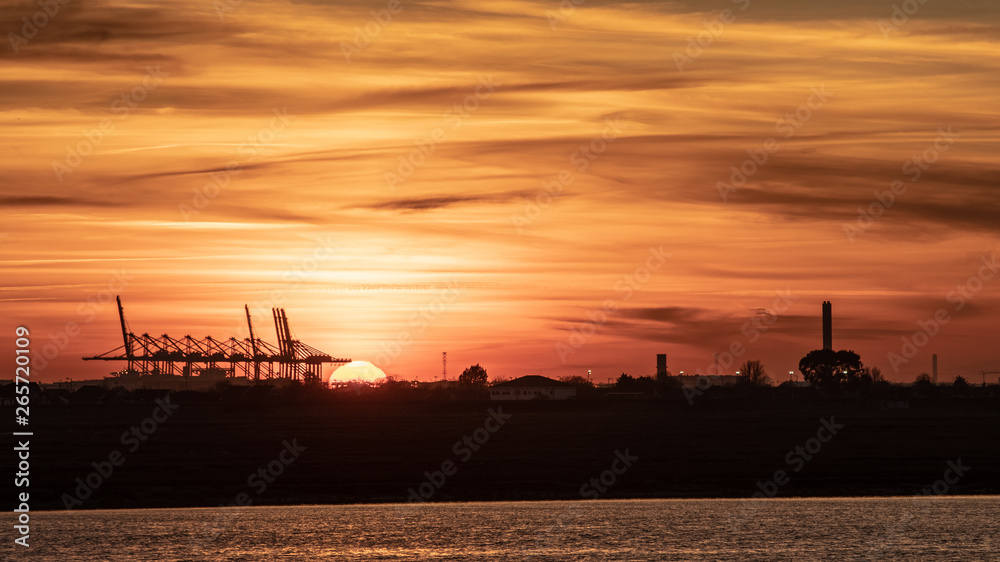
(948, 528)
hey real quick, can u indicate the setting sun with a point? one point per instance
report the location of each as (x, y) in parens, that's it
(357, 371)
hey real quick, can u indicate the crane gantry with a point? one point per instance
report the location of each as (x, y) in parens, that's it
(258, 360)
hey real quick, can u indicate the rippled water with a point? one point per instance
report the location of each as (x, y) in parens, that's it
(945, 528)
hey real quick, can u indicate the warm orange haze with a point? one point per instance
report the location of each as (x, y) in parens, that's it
(538, 187)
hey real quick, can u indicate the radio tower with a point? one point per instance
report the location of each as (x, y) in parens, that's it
(444, 365)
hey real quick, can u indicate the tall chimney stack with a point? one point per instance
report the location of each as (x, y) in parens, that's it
(934, 367)
(661, 364)
(827, 325)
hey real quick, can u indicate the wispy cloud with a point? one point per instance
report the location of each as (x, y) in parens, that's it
(443, 201)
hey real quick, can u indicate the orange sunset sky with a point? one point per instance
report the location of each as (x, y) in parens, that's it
(484, 178)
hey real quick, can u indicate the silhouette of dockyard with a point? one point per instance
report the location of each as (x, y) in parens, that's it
(164, 360)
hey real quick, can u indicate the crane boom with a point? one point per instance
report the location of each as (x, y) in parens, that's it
(253, 339)
(121, 317)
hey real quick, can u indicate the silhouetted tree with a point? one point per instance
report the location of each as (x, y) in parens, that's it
(874, 374)
(628, 383)
(923, 385)
(473, 376)
(868, 376)
(960, 383)
(584, 388)
(393, 389)
(752, 374)
(646, 384)
(829, 369)
(578, 381)
(625, 382)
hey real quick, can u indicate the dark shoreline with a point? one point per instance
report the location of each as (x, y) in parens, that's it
(471, 501)
(362, 452)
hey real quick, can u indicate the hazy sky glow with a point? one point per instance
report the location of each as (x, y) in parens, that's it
(558, 150)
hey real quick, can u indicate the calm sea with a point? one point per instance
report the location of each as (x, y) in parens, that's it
(924, 528)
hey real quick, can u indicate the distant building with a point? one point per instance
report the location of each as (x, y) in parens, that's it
(160, 381)
(691, 381)
(797, 384)
(437, 385)
(532, 387)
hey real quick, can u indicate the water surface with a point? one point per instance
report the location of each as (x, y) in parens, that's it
(939, 528)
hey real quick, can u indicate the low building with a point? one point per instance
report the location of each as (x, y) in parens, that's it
(796, 384)
(159, 381)
(532, 387)
(437, 385)
(701, 381)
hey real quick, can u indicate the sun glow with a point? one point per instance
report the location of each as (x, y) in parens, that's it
(362, 371)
